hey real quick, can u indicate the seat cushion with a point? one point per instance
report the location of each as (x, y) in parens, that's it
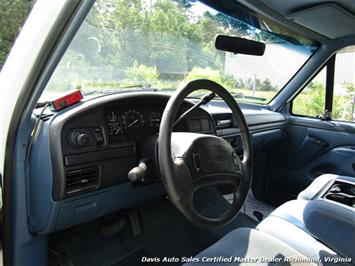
(307, 231)
(297, 238)
(316, 228)
(245, 246)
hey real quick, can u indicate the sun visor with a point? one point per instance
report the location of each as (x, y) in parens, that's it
(328, 19)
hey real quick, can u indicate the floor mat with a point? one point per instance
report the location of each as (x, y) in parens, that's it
(135, 258)
(165, 233)
(85, 245)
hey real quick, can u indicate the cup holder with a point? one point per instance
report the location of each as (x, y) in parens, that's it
(342, 192)
(343, 188)
(341, 199)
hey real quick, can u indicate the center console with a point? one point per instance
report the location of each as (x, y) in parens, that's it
(341, 191)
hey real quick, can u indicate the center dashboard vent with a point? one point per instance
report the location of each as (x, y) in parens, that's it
(82, 179)
(223, 121)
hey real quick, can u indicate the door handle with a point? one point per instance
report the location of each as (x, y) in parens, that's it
(318, 141)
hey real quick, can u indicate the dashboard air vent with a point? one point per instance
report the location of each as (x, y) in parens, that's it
(223, 121)
(81, 179)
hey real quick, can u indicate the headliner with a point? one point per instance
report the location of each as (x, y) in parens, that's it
(324, 19)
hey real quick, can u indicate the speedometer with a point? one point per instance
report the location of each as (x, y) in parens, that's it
(132, 119)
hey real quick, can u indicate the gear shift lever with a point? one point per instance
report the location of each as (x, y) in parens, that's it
(138, 173)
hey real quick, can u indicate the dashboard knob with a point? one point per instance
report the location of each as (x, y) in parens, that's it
(82, 139)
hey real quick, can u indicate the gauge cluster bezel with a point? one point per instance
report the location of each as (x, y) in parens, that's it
(122, 122)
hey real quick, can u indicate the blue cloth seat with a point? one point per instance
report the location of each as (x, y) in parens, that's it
(307, 231)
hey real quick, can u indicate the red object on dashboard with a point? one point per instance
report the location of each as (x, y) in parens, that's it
(70, 98)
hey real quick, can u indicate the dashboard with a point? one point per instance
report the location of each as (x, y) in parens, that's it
(102, 142)
(81, 159)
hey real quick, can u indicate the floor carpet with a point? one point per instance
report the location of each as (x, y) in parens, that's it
(165, 232)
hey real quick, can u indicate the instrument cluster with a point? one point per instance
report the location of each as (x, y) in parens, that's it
(119, 122)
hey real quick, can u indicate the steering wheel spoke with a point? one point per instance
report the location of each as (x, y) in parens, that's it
(231, 179)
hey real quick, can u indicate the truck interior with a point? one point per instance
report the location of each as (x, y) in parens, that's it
(186, 147)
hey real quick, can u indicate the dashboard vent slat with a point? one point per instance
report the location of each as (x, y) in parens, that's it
(223, 121)
(82, 179)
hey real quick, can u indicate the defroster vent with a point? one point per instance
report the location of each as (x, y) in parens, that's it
(82, 179)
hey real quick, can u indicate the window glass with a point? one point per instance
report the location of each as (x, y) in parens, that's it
(311, 101)
(160, 45)
(344, 85)
(12, 15)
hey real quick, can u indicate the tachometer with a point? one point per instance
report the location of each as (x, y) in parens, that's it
(132, 119)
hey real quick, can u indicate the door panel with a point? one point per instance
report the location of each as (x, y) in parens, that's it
(309, 150)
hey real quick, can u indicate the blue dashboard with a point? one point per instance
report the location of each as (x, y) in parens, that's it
(81, 156)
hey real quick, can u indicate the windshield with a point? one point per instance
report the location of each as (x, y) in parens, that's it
(160, 45)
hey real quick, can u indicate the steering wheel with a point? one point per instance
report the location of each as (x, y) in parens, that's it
(191, 161)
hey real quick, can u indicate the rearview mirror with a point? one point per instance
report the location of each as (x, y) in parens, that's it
(239, 45)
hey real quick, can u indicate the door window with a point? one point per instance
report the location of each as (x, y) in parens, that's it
(311, 101)
(344, 85)
(331, 93)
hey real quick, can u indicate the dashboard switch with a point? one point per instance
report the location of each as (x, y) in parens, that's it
(79, 138)
(86, 137)
(98, 136)
(236, 161)
(82, 139)
(197, 162)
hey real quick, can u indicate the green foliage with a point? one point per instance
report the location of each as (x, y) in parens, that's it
(120, 41)
(158, 33)
(141, 75)
(267, 86)
(343, 106)
(212, 74)
(12, 15)
(350, 88)
(311, 101)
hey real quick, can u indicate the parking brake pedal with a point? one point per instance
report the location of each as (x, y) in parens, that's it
(134, 222)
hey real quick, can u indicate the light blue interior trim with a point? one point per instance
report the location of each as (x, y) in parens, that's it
(26, 245)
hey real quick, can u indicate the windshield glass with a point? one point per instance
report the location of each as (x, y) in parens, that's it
(162, 44)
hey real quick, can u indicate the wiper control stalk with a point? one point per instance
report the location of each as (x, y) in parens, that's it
(204, 100)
